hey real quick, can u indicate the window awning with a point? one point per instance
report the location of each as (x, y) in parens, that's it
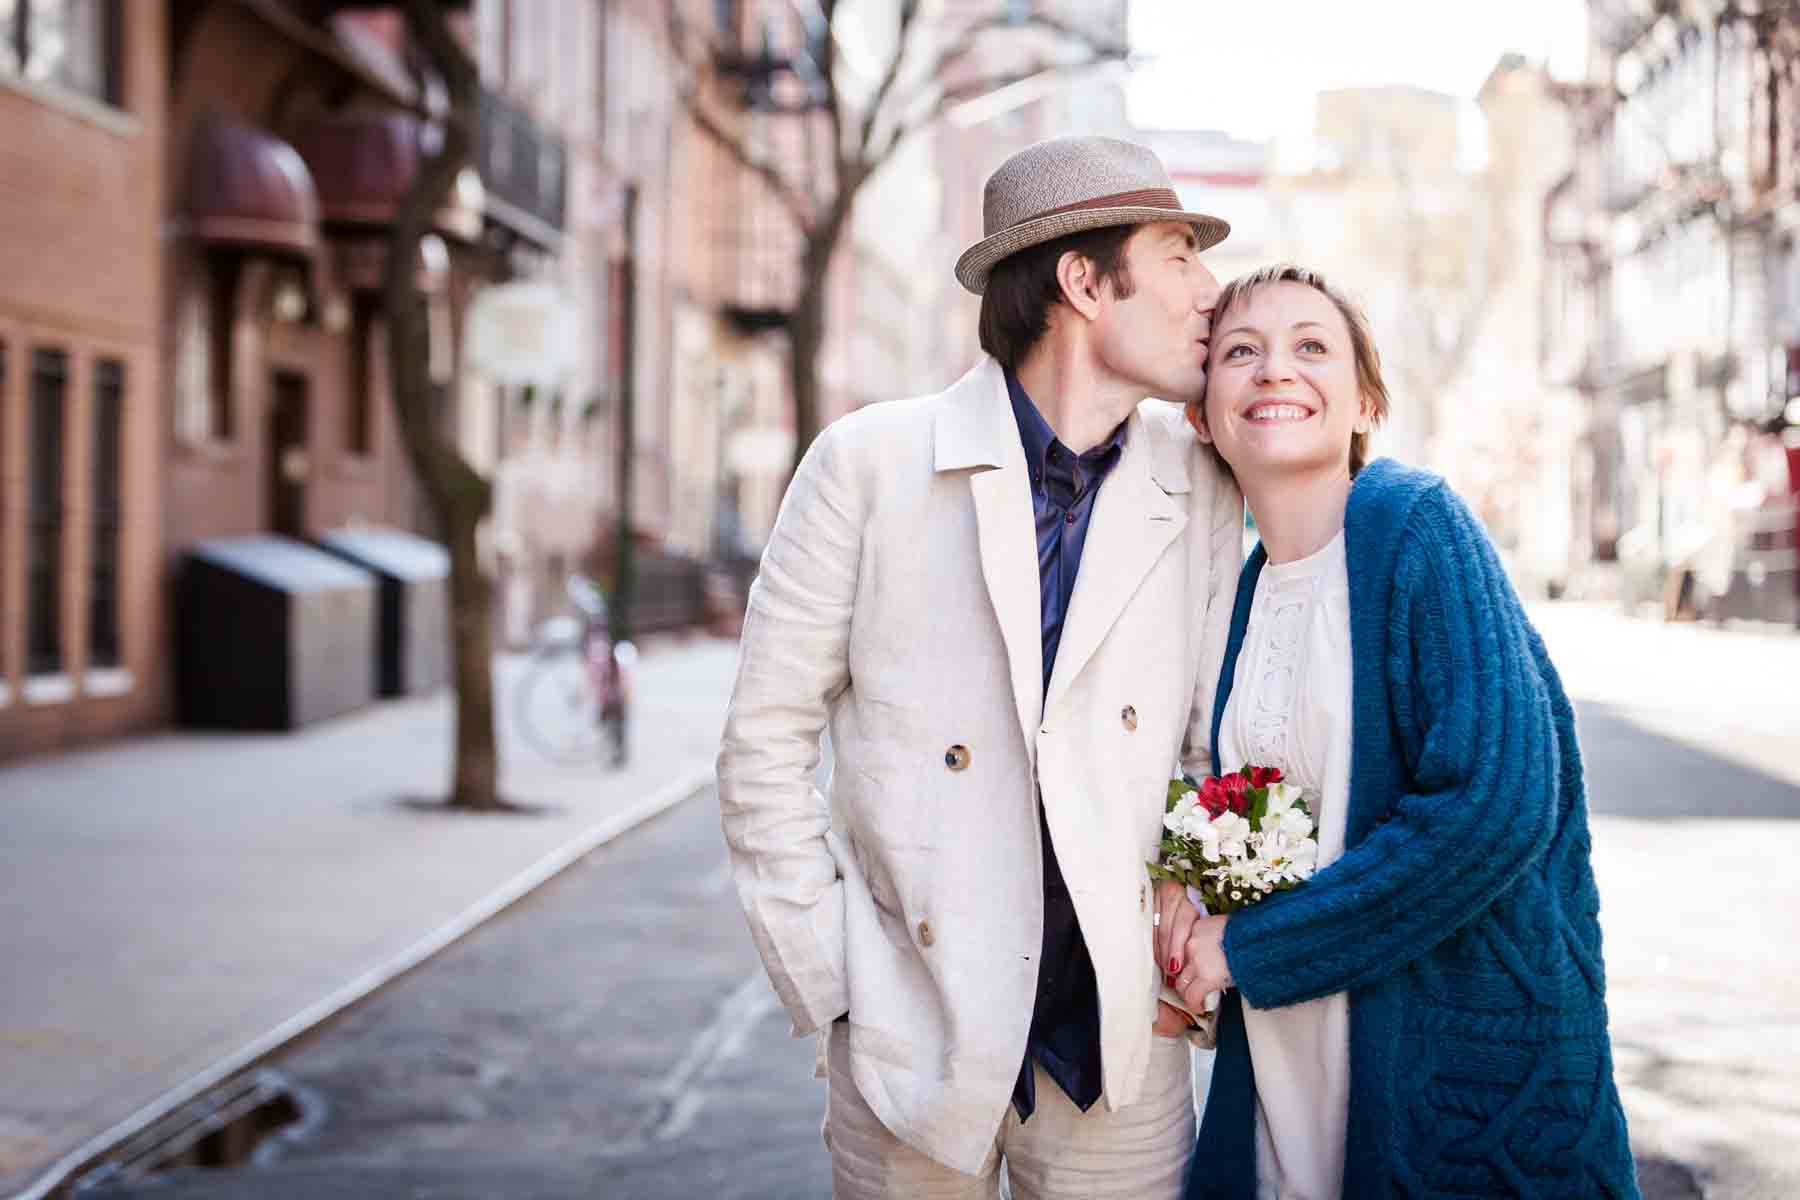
(249, 189)
(365, 161)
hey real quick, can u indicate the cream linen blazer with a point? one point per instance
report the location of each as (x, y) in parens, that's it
(897, 606)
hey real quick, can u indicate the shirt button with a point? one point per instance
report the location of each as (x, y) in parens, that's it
(957, 758)
(1071, 518)
(926, 937)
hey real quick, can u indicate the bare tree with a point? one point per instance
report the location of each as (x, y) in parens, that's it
(921, 80)
(458, 494)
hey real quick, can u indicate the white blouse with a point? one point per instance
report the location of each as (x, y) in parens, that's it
(1290, 708)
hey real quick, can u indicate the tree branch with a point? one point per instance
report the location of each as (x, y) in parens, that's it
(790, 197)
(1099, 52)
(904, 127)
(909, 15)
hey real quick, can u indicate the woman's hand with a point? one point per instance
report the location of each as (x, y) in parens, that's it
(1204, 969)
(1175, 918)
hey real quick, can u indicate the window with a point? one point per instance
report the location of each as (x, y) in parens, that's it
(44, 519)
(103, 604)
(359, 435)
(72, 44)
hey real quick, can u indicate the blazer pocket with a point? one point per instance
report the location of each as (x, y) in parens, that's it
(880, 884)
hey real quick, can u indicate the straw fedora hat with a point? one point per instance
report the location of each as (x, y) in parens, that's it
(1067, 185)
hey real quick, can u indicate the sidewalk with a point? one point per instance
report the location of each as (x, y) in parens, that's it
(173, 899)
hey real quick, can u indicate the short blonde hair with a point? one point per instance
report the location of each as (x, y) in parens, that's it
(1362, 343)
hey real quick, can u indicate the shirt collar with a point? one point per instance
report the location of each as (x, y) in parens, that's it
(1037, 436)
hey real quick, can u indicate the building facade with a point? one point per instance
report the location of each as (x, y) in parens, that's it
(1672, 307)
(83, 114)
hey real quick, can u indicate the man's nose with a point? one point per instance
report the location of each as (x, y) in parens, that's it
(1206, 297)
(1206, 290)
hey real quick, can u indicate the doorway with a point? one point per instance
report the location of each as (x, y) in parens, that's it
(289, 465)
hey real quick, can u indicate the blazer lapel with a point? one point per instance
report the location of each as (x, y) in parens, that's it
(975, 429)
(1134, 521)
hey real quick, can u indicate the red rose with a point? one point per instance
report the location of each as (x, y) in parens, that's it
(1236, 789)
(1264, 776)
(1212, 796)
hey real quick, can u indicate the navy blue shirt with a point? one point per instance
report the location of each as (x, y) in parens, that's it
(1065, 1020)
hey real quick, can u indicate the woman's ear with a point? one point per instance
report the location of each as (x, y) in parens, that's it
(1196, 416)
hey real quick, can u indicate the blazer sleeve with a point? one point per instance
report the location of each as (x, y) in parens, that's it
(1480, 739)
(792, 662)
(1225, 558)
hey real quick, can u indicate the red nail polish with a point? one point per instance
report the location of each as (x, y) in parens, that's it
(1174, 965)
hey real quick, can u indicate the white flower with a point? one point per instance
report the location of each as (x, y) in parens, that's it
(1290, 823)
(1282, 797)
(1207, 835)
(1174, 820)
(1233, 833)
(1196, 824)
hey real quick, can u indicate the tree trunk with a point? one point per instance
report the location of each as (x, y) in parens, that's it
(806, 327)
(475, 784)
(806, 337)
(456, 492)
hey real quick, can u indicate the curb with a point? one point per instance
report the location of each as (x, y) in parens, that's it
(684, 786)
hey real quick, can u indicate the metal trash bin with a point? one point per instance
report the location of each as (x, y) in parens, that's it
(271, 634)
(412, 641)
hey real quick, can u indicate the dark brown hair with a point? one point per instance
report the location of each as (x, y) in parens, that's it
(1022, 288)
(1362, 343)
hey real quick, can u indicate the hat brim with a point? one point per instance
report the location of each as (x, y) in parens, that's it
(973, 267)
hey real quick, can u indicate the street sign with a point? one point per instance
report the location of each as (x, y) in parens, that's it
(523, 333)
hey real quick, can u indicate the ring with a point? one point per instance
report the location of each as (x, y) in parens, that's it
(1155, 920)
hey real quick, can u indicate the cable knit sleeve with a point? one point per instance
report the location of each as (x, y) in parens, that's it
(1461, 686)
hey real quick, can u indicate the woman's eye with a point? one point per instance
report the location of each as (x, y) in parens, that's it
(1232, 351)
(1313, 346)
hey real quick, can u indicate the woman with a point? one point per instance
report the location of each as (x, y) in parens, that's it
(1425, 1017)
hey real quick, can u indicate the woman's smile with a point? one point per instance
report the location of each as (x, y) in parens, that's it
(1270, 412)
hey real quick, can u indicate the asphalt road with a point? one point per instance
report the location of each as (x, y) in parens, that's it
(613, 1034)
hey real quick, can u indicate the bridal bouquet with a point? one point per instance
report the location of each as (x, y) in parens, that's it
(1237, 838)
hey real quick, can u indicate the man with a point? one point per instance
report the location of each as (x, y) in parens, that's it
(1000, 599)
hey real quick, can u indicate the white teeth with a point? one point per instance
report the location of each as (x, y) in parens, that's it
(1277, 412)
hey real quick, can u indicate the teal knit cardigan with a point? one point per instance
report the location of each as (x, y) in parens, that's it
(1462, 918)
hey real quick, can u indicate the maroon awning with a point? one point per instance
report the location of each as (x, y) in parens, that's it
(365, 161)
(249, 189)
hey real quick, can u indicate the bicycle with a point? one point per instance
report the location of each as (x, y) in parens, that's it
(576, 692)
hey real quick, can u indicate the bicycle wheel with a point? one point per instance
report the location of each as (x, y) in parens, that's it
(557, 708)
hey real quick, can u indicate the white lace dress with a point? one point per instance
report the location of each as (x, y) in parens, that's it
(1290, 708)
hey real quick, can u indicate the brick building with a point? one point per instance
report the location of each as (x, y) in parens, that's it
(82, 121)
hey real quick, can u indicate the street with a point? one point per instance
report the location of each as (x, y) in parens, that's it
(613, 1035)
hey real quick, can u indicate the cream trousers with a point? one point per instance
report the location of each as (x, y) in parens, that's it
(1137, 1153)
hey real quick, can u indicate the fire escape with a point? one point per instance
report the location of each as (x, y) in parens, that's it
(765, 65)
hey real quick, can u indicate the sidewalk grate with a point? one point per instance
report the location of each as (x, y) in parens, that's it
(237, 1123)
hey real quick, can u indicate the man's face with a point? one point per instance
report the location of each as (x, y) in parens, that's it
(1156, 338)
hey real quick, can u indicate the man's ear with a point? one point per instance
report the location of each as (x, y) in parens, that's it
(1080, 285)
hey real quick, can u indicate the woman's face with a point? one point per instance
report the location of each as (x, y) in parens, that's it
(1281, 395)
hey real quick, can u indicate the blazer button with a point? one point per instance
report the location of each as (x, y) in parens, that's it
(1128, 715)
(926, 937)
(957, 758)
